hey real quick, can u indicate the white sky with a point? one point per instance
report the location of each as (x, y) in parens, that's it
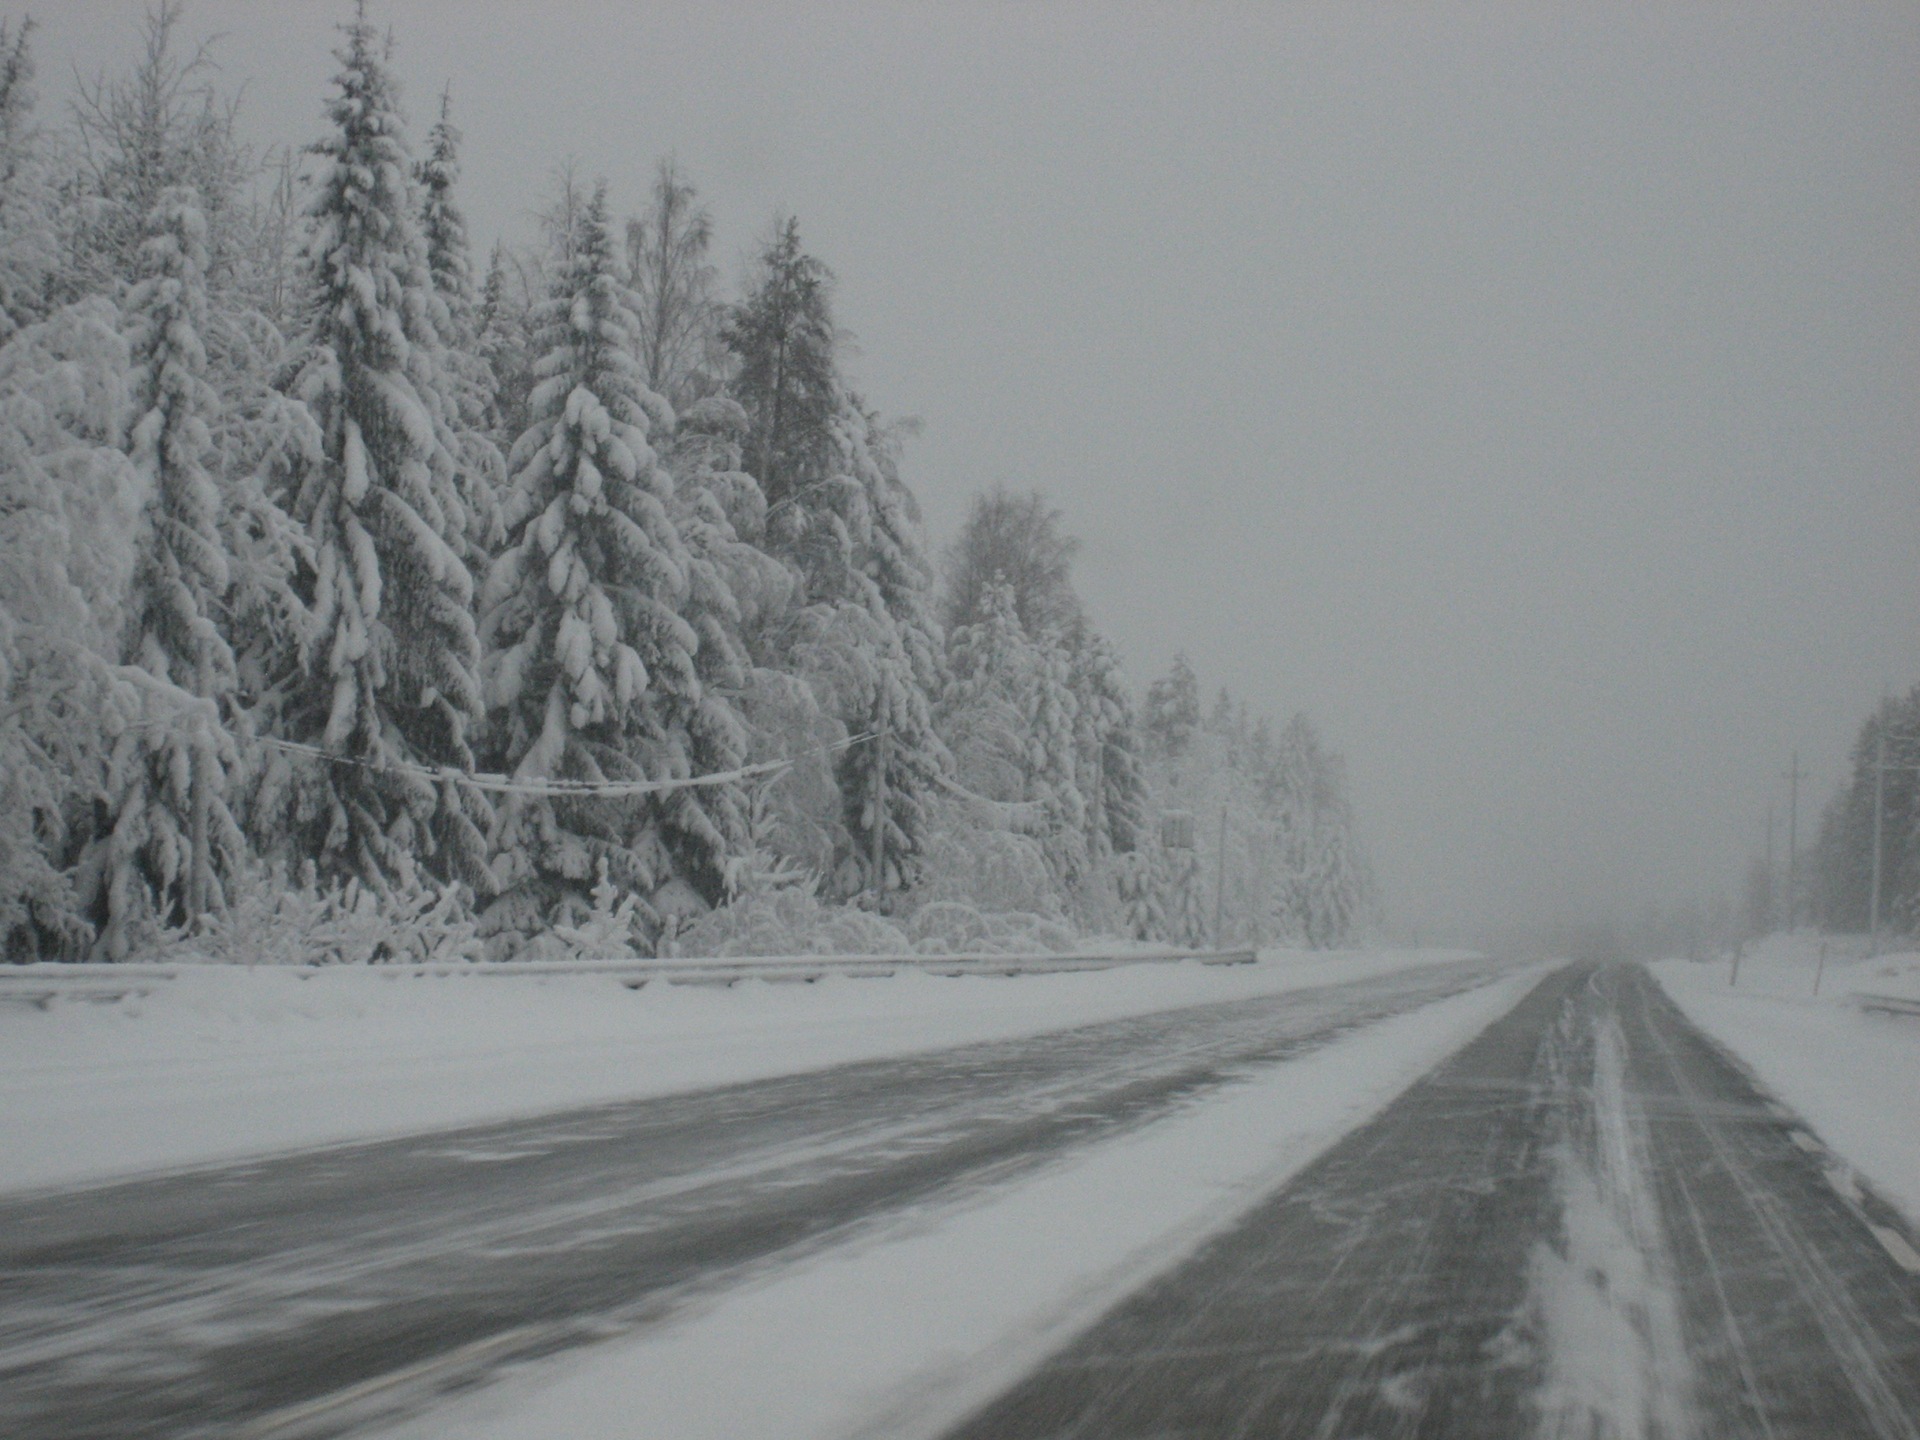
(1527, 391)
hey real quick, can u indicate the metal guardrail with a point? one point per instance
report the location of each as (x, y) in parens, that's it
(40, 984)
(1888, 1004)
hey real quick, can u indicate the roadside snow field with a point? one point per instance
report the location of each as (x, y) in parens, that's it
(905, 1331)
(225, 1062)
(1852, 1075)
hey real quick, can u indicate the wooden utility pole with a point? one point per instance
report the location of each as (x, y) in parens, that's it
(880, 816)
(1879, 811)
(1766, 917)
(1880, 768)
(1794, 777)
(1220, 886)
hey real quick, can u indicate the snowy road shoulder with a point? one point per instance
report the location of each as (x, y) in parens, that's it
(1851, 1075)
(902, 1333)
(229, 1062)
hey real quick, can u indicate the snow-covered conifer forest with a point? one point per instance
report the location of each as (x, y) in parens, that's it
(366, 597)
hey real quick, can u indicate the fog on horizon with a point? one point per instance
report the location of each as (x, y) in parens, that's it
(1528, 393)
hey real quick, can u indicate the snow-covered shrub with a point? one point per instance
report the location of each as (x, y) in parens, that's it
(1142, 911)
(971, 858)
(791, 921)
(950, 927)
(271, 921)
(612, 930)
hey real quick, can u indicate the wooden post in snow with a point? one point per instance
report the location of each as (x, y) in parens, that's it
(1220, 886)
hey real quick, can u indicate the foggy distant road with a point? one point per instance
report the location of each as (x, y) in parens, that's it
(312, 1294)
(1586, 1224)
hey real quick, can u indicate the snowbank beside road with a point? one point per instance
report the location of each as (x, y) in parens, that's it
(904, 1332)
(1852, 1075)
(226, 1062)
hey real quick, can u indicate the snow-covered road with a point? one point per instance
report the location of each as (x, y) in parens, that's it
(228, 1061)
(1587, 1223)
(1450, 1199)
(307, 1293)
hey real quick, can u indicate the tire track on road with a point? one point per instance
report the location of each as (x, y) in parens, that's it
(1587, 1223)
(1784, 1253)
(244, 1299)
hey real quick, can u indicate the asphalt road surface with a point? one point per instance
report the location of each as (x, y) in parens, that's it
(313, 1294)
(1586, 1224)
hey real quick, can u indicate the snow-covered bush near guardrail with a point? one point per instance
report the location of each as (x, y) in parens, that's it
(980, 866)
(952, 927)
(790, 921)
(272, 922)
(611, 930)
(795, 922)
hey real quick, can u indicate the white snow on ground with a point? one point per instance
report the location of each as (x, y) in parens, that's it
(1602, 1302)
(902, 1333)
(229, 1061)
(1852, 1075)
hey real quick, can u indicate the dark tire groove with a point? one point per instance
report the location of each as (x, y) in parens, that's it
(1391, 1288)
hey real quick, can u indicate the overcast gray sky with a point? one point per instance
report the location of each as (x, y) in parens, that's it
(1529, 392)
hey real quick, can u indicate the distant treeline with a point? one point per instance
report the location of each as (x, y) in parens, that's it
(1840, 869)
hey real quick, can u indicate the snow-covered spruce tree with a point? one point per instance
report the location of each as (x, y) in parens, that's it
(502, 339)
(442, 226)
(264, 442)
(173, 834)
(840, 517)
(1183, 901)
(1008, 716)
(592, 674)
(783, 338)
(981, 714)
(1843, 853)
(1341, 880)
(39, 912)
(1110, 744)
(890, 581)
(747, 710)
(751, 635)
(468, 380)
(1173, 710)
(29, 246)
(70, 502)
(1323, 885)
(174, 630)
(1109, 774)
(1053, 760)
(1295, 781)
(391, 679)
